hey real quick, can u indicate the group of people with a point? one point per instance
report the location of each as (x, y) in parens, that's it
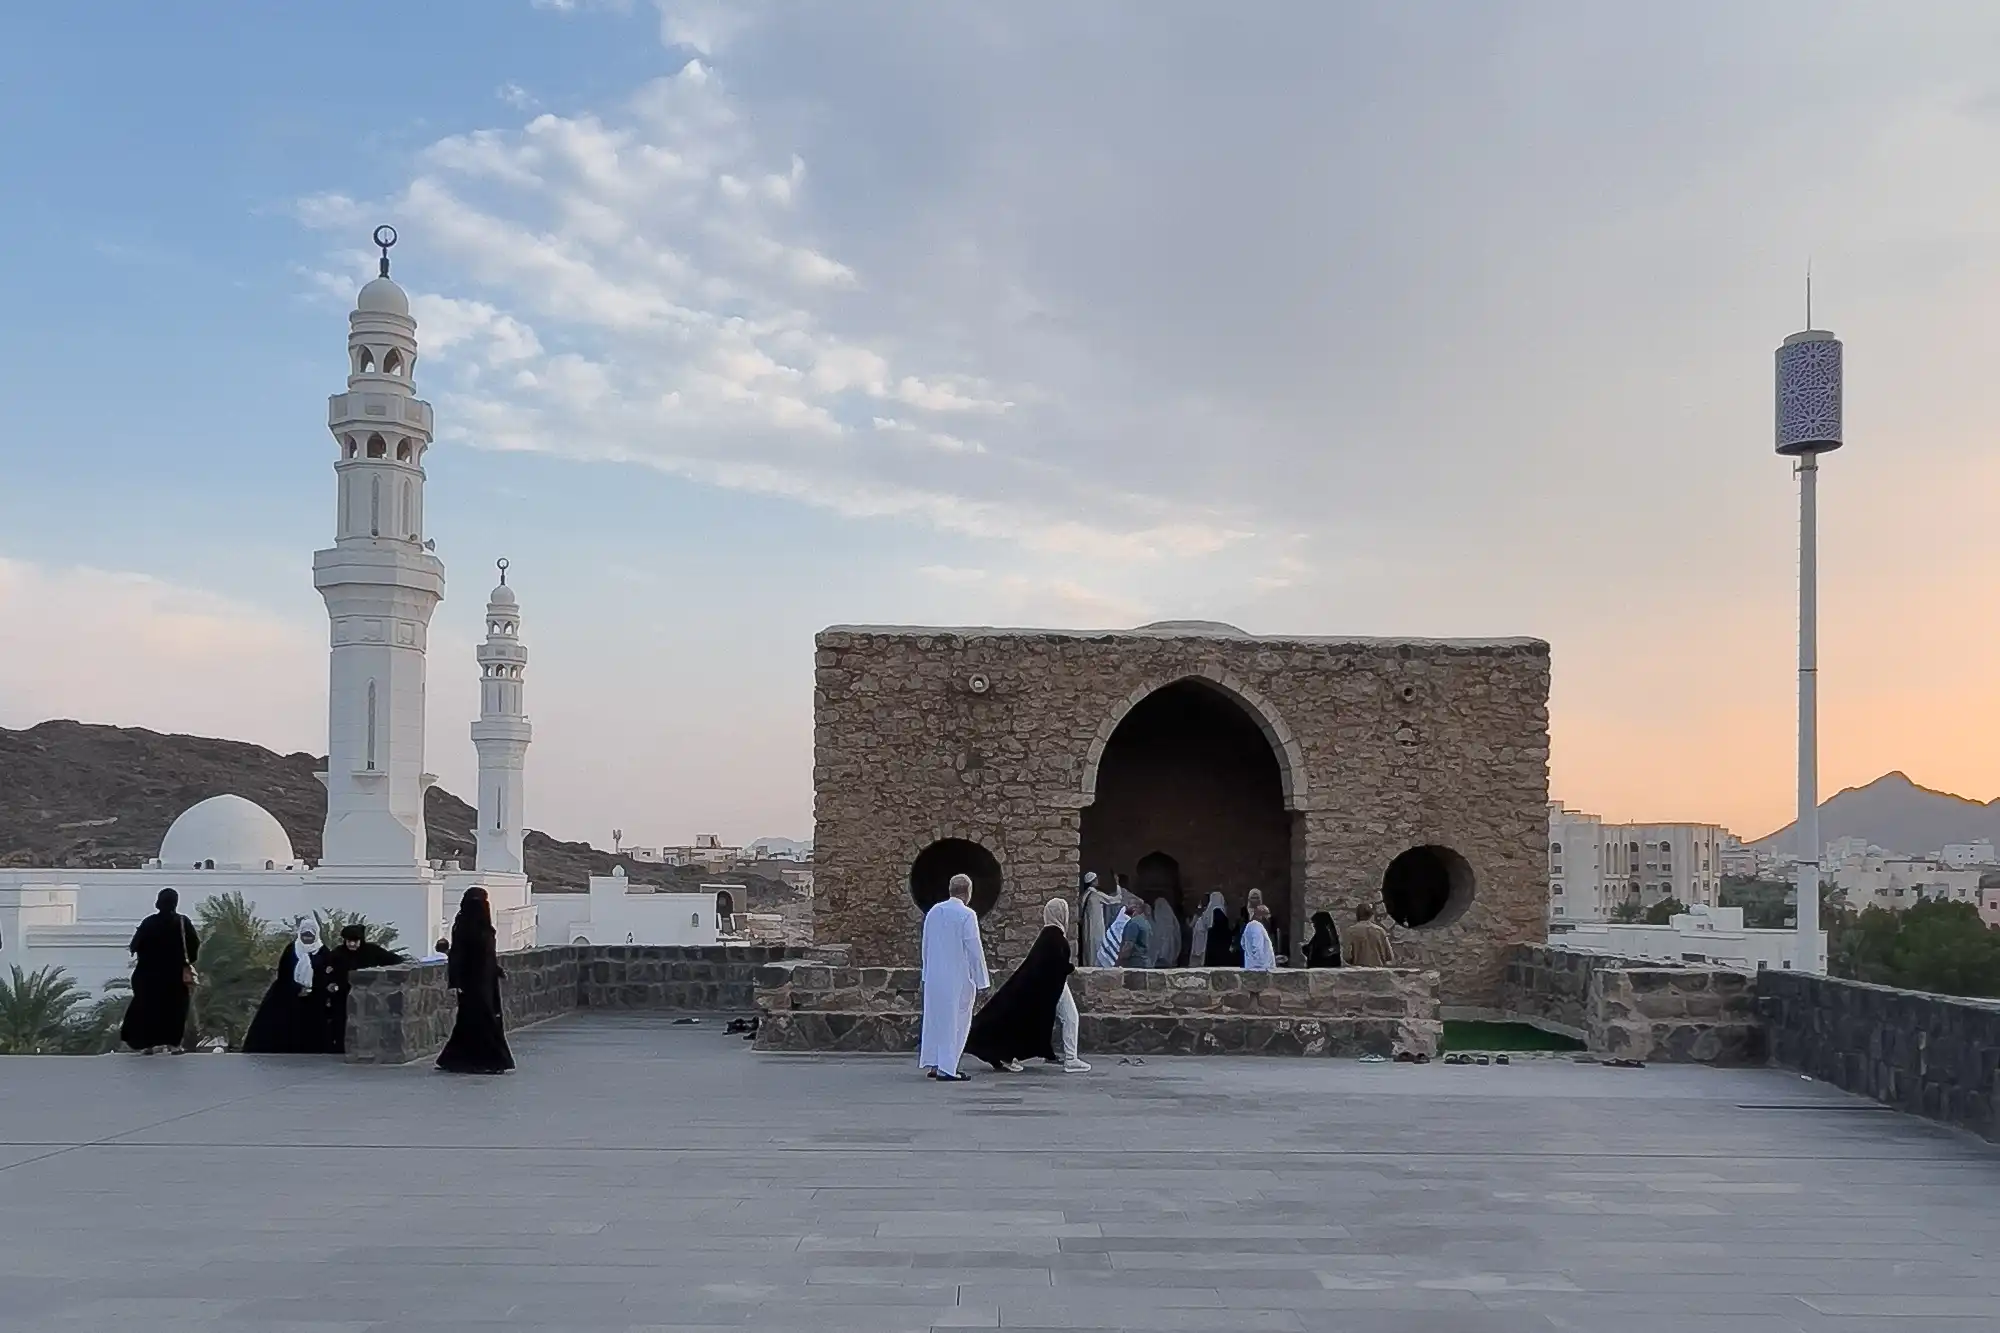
(304, 1012)
(1033, 1016)
(1121, 930)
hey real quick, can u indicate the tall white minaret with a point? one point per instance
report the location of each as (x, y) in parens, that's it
(381, 584)
(502, 733)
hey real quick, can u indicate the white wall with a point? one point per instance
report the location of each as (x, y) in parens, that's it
(1713, 935)
(616, 911)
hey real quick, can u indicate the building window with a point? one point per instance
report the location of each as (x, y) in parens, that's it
(1555, 849)
(371, 727)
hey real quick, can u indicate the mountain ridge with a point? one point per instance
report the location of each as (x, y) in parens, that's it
(1898, 814)
(91, 795)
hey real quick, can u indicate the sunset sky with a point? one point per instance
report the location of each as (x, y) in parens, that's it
(745, 319)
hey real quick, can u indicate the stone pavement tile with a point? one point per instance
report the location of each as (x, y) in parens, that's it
(1907, 1305)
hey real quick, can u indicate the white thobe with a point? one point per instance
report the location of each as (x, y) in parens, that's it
(1091, 932)
(1258, 955)
(954, 974)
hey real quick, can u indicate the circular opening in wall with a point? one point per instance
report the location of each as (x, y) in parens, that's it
(931, 872)
(1409, 693)
(1427, 886)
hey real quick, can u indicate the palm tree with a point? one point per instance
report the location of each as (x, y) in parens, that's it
(38, 1011)
(239, 949)
(333, 919)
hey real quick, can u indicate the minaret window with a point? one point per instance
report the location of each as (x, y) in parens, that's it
(353, 447)
(364, 361)
(374, 506)
(409, 522)
(377, 447)
(403, 451)
(392, 364)
(370, 760)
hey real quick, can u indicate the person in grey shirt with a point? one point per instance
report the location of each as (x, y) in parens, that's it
(1135, 947)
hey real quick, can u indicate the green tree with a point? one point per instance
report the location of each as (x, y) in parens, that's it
(239, 951)
(332, 920)
(39, 1011)
(1628, 912)
(1662, 912)
(1936, 946)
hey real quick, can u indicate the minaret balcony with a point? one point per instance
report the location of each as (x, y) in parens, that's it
(360, 407)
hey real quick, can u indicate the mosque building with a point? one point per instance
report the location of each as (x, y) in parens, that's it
(381, 581)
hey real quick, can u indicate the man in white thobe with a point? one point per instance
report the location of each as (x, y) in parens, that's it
(1258, 955)
(954, 974)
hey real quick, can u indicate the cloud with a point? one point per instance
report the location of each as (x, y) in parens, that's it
(653, 279)
(514, 95)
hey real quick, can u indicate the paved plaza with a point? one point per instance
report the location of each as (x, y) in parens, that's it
(639, 1176)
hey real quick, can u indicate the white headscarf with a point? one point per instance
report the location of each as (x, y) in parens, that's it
(1055, 912)
(1198, 929)
(302, 952)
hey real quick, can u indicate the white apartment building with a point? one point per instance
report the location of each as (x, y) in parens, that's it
(1595, 866)
(1960, 855)
(1868, 877)
(1710, 935)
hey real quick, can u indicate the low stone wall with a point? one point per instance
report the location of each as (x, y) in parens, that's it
(1935, 1056)
(399, 1014)
(1185, 1011)
(1686, 1015)
(1545, 984)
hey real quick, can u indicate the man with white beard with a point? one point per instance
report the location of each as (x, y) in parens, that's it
(954, 974)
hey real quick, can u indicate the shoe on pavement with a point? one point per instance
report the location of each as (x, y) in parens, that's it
(1075, 1067)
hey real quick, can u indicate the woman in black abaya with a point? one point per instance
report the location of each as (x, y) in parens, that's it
(1323, 949)
(1219, 951)
(164, 949)
(1019, 1022)
(478, 1042)
(292, 1019)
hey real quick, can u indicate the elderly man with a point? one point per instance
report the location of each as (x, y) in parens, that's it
(954, 974)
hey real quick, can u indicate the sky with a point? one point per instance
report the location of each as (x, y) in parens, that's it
(745, 319)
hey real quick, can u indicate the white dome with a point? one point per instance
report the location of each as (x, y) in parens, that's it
(383, 297)
(502, 596)
(233, 833)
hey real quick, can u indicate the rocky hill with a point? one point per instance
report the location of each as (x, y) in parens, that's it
(1897, 815)
(79, 794)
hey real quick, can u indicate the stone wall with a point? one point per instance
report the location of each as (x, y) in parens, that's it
(996, 737)
(1550, 985)
(399, 1014)
(1697, 1015)
(1193, 1011)
(1633, 1009)
(1930, 1055)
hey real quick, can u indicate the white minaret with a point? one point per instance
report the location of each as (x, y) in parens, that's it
(502, 733)
(381, 584)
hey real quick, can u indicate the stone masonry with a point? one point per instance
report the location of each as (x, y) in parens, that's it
(807, 1006)
(997, 737)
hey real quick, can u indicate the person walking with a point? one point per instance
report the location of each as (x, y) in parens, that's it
(1258, 955)
(478, 1043)
(954, 972)
(1022, 1019)
(1367, 944)
(163, 949)
(292, 1018)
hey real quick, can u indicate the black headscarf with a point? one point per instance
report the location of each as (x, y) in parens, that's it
(472, 960)
(1216, 953)
(475, 916)
(168, 902)
(1323, 949)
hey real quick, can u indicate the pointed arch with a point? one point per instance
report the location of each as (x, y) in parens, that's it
(370, 758)
(1284, 745)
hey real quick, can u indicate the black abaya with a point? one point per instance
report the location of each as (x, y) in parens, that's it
(1019, 1022)
(478, 1043)
(1323, 949)
(288, 1022)
(164, 946)
(1216, 953)
(344, 961)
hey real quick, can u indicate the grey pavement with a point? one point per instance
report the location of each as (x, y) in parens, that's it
(639, 1176)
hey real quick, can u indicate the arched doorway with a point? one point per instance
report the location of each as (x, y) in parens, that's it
(931, 872)
(1190, 799)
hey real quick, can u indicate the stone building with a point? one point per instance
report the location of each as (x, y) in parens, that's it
(1189, 756)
